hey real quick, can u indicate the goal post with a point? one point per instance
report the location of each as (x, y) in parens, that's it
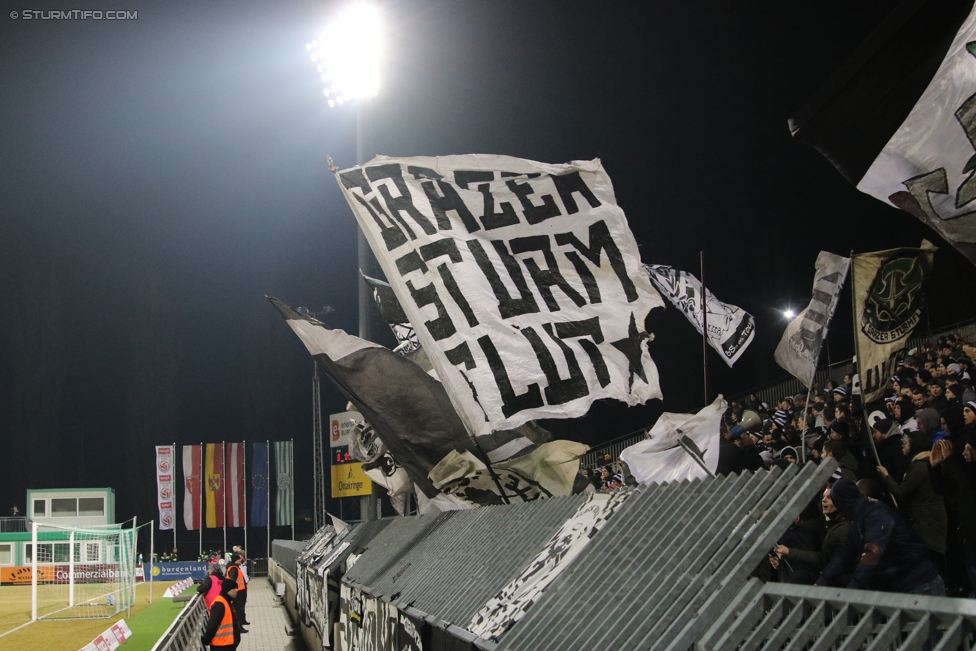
(81, 572)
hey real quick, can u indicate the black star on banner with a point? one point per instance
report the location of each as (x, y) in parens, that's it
(631, 348)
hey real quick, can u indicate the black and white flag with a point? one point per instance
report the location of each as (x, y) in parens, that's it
(799, 349)
(408, 409)
(899, 120)
(522, 280)
(730, 328)
(679, 447)
(889, 295)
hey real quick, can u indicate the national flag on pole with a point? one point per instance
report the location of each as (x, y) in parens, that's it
(899, 119)
(234, 493)
(192, 482)
(889, 297)
(213, 472)
(799, 349)
(166, 486)
(285, 476)
(730, 328)
(259, 485)
(679, 447)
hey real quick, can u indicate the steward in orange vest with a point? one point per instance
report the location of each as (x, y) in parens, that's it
(234, 571)
(223, 631)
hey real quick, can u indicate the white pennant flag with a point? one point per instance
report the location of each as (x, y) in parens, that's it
(730, 328)
(166, 486)
(799, 349)
(678, 447)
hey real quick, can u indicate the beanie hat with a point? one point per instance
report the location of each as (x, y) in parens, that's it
(972, 405)
(929, 419)
(227, 585)
(954, 368)
(780, 417)
(883, 425)
(924, 375)
(845, 494)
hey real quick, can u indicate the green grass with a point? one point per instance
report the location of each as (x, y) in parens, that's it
(153, 621)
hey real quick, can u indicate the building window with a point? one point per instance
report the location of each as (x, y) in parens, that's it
(44, 553)
(40, 508)
(6, 554)
(91, 552)
(64, 507)
(91, 506)
(61, 552)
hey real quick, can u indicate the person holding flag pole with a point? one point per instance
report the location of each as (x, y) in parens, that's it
(267, 473)
(223, 482)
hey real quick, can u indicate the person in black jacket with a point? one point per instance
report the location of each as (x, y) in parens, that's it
(837, 528)
(223, 630)
(883, 550)
(916, 497)
(887, 436)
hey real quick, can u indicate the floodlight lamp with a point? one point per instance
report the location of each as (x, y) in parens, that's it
(789, 314)
(349, 53)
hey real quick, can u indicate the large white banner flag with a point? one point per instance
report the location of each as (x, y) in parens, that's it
(522, 279)
(678, 447)
(799, 349)
(165, 486)
(285, 473)
(889, 294)
(730, 328)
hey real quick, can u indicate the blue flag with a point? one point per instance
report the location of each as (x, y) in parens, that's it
(259, 486)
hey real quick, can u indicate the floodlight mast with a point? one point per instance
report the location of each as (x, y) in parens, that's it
(347, 55)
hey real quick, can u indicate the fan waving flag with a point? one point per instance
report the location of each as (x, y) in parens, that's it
(285, 477)
(521, 279)
(192, 483)
(730, 328)
(259, 485)
(899, 120)
(799, 349)
(213, 473)
(234, 493)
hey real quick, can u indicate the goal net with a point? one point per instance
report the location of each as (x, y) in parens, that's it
(81, 573)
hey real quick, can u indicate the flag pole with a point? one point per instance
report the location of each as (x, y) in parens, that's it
(152, 550)
(244, 480)
(174, 497)
(291, 467)
(200, 495)
(857, 352)
(704, 306)
(223, 484)
(267, 501)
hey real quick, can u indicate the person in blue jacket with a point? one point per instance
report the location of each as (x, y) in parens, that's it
(882, 549)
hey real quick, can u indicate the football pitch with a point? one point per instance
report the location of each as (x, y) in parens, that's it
(61, 634)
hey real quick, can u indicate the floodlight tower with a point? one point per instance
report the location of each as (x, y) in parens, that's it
(347, 55)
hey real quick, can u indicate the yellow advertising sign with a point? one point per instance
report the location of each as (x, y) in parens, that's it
(349, 480)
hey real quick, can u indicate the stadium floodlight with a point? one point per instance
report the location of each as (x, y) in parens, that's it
(789, 314)
(347, 54)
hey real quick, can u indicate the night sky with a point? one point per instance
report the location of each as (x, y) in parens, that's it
(159, 176)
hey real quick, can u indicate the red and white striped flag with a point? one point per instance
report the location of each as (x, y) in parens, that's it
(192, 471)
(234, 493)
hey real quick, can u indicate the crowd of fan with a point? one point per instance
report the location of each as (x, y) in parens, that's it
(906, 479)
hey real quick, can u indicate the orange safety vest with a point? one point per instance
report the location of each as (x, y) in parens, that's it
(225, 634)
(240, 579)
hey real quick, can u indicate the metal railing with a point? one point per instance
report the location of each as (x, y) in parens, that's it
(257, 567)
(186, 630)
(17, 524)
(782, 615)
